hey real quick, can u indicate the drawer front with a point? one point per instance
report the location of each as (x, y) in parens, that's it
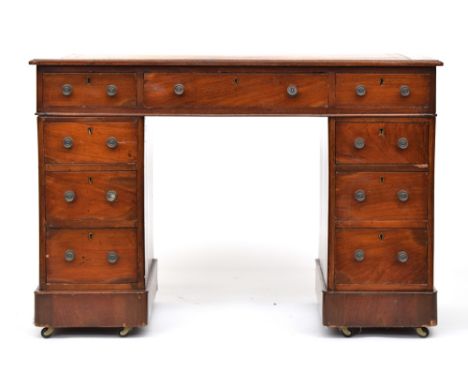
(91, 199)
(90, 142)
(235, 92)
(88, 90)
(387, 257)
(400, 92)
(381, 195)
(91, 256)
(361, 142)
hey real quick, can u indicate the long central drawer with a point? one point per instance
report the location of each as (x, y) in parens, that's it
(236, 92)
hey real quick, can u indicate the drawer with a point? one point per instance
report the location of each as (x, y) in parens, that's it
(91, 199)
(396, 258)
(91, 256)
(381, 195)
(236, 92)
(90, 142)
(361, 142)
(83, 90)
(400, 92)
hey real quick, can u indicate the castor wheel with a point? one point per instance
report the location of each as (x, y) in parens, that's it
(345, 331)
(124, 331)
(422, 332)
(47, 331)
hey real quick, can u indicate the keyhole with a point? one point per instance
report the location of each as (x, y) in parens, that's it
(381, 179)
(236, 81)
(90, 131)
(381, 236)
(90, 179)
(88, 80)
(90, 235)
(381, 132)
(381, 81)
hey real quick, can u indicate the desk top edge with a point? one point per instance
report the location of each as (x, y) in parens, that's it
(385, 61)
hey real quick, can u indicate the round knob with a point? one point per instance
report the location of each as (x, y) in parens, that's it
(402, 143)
(179, 89)
(111, 196)
(111, 90)
(359, 255)
(402, 256)
(69, 255)
(359, 195)
(360, 90)
(403, 195)
(68, 142)
(112, 257)
(67, 90)
(359, 143)
(405, 90)
(112, 143)
(69, 196)
(292, 90)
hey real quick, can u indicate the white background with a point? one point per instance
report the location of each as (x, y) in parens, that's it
(237, 200)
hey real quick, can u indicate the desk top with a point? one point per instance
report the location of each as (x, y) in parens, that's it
(382, 61)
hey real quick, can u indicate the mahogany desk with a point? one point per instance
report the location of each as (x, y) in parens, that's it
(375, 267)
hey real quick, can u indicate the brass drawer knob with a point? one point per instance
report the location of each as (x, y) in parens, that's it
(69, 196)
(360, 90)
(402, 256)
(112, 143)
(403, 195)
(67, 90)
(292, 90)
(179, 89)
(111, 196)
(405, 90)
(359, 255)
(68, 142)
(69, 255)
(359, 195)
(112, 257)
(402, 143)
(111, 90)
(359, 143)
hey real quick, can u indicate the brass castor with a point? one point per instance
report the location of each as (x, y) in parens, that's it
(345, 331)
(422, 332)
(124, 331)
(47, 331)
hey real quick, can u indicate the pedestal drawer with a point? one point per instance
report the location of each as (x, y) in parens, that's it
(390, 142)
(381, 195)
(381, 259)
(91, 199)
(91, 256)
(90, 141)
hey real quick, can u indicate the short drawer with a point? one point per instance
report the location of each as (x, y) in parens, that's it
(91, 256)
(400, 92)
(81, 141)
(235, 92)
(362, 142)
(381, 195)
(91, 199)
(396, 258)
(88, 90)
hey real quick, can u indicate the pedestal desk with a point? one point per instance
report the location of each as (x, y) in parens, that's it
(375, 266)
